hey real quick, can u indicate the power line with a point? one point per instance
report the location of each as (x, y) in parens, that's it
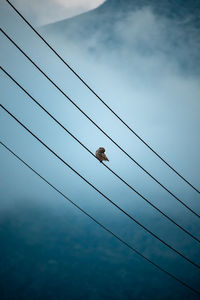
(45, 110)
(101, 193)
(84, 82)
(65, 95)
(101, 225)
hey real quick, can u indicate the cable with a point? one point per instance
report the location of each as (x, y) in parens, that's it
(63, 93)
(101, 225)
(101, 193)
(34, 100)
(84, 82)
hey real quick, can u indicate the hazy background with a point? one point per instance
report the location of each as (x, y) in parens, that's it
(142, 57)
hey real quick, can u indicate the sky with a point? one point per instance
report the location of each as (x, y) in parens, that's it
(49, 11)
(142, 59)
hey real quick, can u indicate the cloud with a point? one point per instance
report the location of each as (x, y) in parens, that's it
(49, 11)
(146, 71)
(136, 68)
(136, 65)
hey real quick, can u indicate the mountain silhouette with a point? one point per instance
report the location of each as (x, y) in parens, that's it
(175, 33)
(112, 11)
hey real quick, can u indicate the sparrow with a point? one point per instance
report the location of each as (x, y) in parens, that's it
(101, 155)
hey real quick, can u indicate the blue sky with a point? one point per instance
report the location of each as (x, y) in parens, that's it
(141, 75)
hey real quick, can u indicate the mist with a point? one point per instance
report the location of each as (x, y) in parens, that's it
(144, 65)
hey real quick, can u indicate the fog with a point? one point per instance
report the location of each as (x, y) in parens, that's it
(144, 66)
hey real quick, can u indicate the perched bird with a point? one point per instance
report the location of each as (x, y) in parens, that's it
(101, 155)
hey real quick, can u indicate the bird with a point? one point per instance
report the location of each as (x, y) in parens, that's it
(100, 155)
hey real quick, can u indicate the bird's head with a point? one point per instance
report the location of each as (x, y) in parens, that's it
(101, 149)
